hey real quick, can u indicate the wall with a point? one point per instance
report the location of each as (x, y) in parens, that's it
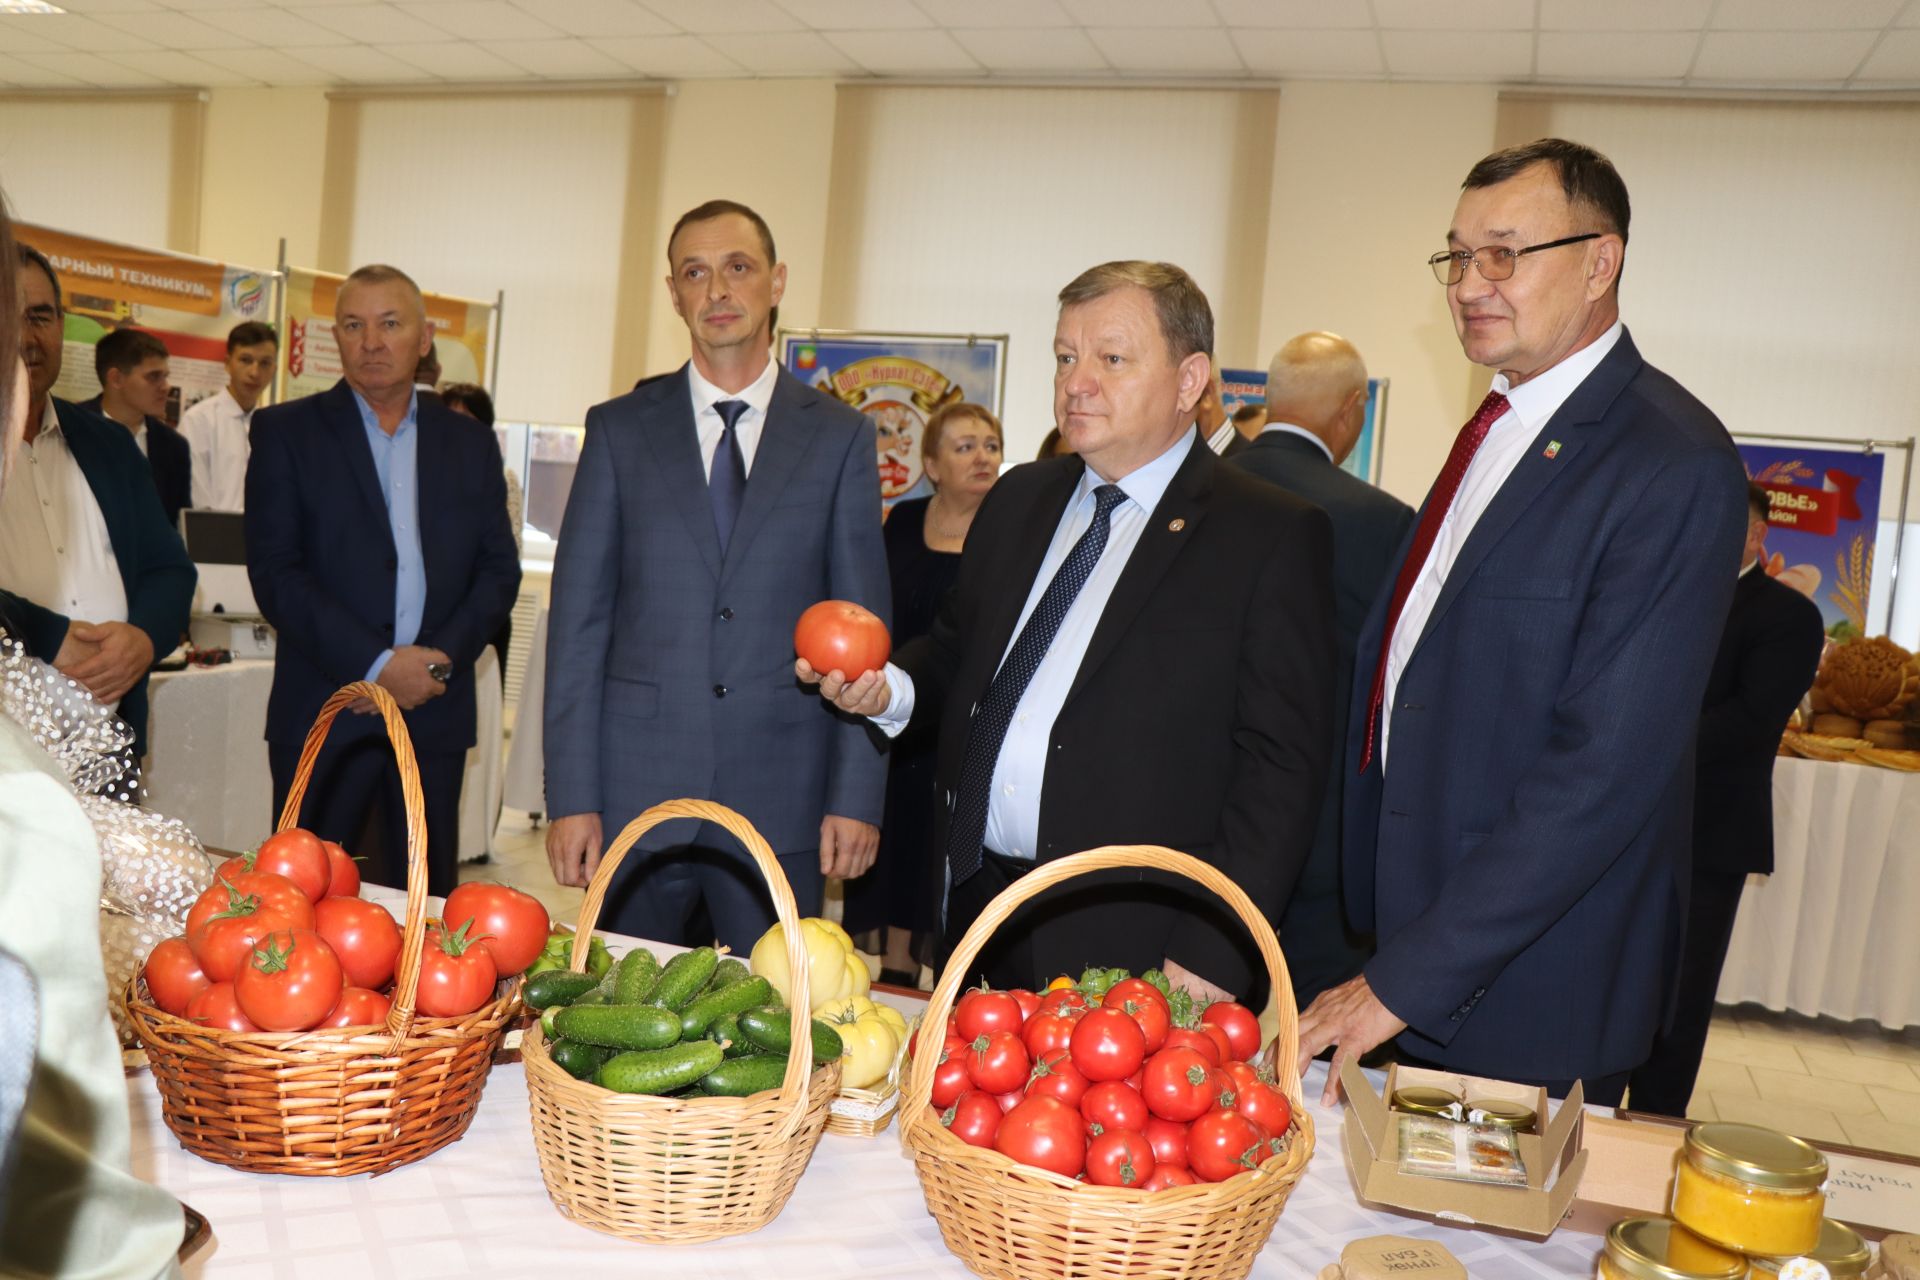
(262, 177)
(125, 167)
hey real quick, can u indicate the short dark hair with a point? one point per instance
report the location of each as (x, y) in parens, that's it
(465, 395)
(1248, 412)
(250, 333)
(1186, 320)
(1758, 501)
(31, 257)
(125, 350)
(944, 416)
(720, 209)
(1590, 181)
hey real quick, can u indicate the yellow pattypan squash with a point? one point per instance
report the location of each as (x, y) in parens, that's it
(871, 1033)
(834, 970)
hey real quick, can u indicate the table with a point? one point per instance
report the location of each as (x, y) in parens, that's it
(1831, 930)
(207, 763)
(526, 761)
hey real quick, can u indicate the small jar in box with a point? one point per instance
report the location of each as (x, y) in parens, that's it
(1656, 1249)
(1840, 1255)
(1750, 1189)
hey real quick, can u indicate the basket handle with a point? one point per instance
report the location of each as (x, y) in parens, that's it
(920, 1083)
(793, 1086)
(413, 932)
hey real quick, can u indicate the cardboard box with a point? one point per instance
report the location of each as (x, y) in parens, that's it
(1554, 1158)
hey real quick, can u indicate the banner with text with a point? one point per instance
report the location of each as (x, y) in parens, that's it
(310, 358)
(1823, 519)
(1249, 386)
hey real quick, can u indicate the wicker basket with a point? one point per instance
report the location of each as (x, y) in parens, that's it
(330, 1103)
(866, 1113)
(679, 1170)
(1014, 1222)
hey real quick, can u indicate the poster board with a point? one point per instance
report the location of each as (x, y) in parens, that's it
(464, 334)
(188, 303)
(898, 380)
(1823, 525)
(1249, 386)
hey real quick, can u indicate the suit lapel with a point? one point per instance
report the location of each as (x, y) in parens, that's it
(343, 417)
(669, 429)
(433, 452)
(784, 438)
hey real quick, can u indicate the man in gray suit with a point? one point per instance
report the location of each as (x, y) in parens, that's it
(1316, 405)
(710, 508)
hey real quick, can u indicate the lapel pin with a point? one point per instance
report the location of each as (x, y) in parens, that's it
(1175, 526)
(1553, 449)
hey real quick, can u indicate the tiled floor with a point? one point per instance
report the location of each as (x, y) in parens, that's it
(1854, 1083)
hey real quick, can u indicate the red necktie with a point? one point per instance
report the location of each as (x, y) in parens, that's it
(1465, 445)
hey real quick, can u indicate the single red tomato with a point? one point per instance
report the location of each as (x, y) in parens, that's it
(998, 1063)
(1166, 1175)
(1199, 1042)
(1108, 1045)
(950, 1078)
(974, 1119)
(225, 942)
(1149, 1010)
(839, 635)
(1112, 1105)
(1068, 1002)
(1266, 1106)
(981, 1013)
(1029, 1002)
(1046, 1032)
(216, 1007)
(1180, 1085)
(456, 974)
(359, 1007)
(174, 976)
(365, 937)
(345, 872)
(292, 982)
(227, 892)
(1119, 1158)
(297, 854)
(1240, 1075)
(1169, 1141)
(1045, 1133)
(1055, 1076)
(1239, 1022)
(1218, 1034)
(510, 924)
(1222, 1143)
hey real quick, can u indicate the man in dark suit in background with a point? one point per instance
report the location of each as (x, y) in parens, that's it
(711, 507)
(1316, 406)
(1518, 820)
(1768, 654)
(1139, 650)
(133, 370)
(378, 546)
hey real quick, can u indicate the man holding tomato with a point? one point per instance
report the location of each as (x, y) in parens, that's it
(711, 507)
(1139, 650)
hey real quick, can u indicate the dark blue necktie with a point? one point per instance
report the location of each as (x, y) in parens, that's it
(728, 482)
(995, 712)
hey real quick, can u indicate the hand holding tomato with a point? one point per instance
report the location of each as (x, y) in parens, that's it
(839, 635)
(869, 695)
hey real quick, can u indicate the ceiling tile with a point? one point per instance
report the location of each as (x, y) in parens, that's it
(1795, 57)
(19, 37)
(1911, 18)
(1304, 15)
(958, 15)
(455, 60)
(1027, 51)
(1454, 15)
(372, 23)
(784, 53)
(1310, 54)
(267, 65)
(1616, 55)
(1459, 55)
(24, 75)
(187, 68)
(359, 63)
(703, 16)
(482, 19)
(669, 57)
(1800, 15)
(174, 31)
(1142, 13)
(72, 31)
(275, 28)
(598, 17)
(1897, 57)
(1624, 15)
(905, 53)
(857, 15)
(562, 59)
(1166, 51)
(92, 69)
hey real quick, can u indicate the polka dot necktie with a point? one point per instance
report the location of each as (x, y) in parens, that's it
(728, 481)
(994, 713)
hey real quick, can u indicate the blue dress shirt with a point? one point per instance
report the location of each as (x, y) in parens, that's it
(396, 460)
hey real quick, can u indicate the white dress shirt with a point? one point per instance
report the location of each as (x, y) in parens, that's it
(1222, 436)
(216, 431)
(1288, 428)
(1529, 406)
(139, 436)
(1013, 806)
(54, 548)
(708, 423)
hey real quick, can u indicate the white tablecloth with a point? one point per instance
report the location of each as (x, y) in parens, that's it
(526, 763)
(1832, 930)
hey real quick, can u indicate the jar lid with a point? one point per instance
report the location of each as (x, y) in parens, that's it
(1425, 1100)
(1747, 1153)
(1499, 1111)
(1840, 1250)
(1637, 1248)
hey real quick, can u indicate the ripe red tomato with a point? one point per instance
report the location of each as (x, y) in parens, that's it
(981, 1013)
(1239, 1022)
(1266, 1106)
(229, 890)
(1222, 1143)
(216, 1007)
(1166, 1175)
(1108, 1045)
(1046, 1032)
(1055, 1076)
(839, 635)
(298, 855)
(1119, 1158)
(345, 872)
(1112, 1104)
(174, 976)
(1204, 1045)
(1069, 1002)
(292, 982)
(998, 1063)
(1142, 1002)
(1045, 1133)
(225, 941)
(511, 924)
(1028, 1001)
(1218, 1034)
(1179, 1085)
(1169, 1142)
(365, 937)
(359, 1007)
(456, 974)
(950, 1078)
(974, 1119)
(1240, 1075)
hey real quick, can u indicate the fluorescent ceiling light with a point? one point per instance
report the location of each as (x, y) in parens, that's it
(28, 6)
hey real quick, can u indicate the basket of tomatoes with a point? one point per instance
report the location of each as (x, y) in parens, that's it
(685, 1105)
(297, 1028)
(1105, 1129)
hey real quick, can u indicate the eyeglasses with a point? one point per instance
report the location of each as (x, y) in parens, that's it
(1496, 262)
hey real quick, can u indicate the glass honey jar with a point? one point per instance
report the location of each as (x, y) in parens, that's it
(1656, 1249)
(1840, 1255)
(1750, 1189)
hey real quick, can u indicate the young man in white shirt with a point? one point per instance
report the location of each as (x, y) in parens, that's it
(216, 428)
(135, 372)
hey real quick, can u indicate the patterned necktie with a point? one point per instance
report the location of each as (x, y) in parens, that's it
(1439, 502)
(995, 711)
(728, 481)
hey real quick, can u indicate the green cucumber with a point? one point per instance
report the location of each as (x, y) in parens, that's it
(725, 974)
(738, 1077)
(599, 995)
(579, 1060)
(557, 986)
(725, 1032)
(634, 976)
(546, 1022)
(683, 978)
(619, 1026)
(736, 999)
(659, 1071)
(772, 1030)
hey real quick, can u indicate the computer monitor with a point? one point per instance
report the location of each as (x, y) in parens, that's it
(217, 545)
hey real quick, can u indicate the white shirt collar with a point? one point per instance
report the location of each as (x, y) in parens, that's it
(49, 419)
(233, 403)
(1288, 428)
(1535, 401)
(1749, 568)
(758, 393)
(1147, 484)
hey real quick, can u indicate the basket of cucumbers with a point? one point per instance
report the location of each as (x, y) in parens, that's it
(676, 1102)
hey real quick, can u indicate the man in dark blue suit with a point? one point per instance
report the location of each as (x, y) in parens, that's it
(1519, 811)
(378, 546)
(710, 508)
(133, 368)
